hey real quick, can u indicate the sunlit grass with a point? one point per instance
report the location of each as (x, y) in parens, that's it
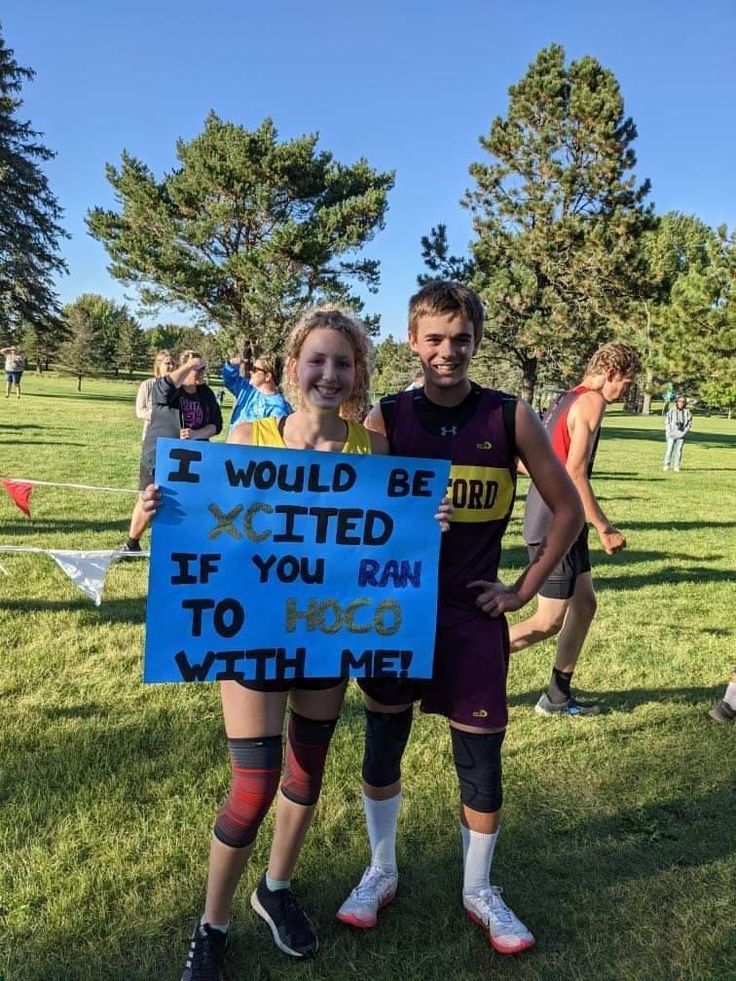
(618, 841)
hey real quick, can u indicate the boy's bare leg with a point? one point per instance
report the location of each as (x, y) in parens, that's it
(581, 610)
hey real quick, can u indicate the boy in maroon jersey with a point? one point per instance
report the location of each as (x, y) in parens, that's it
(482, 432)
(566, 603)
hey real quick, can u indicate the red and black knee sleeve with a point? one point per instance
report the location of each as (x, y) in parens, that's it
(256, 768)
(307, 743)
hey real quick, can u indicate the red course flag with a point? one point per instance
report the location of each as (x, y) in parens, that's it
(20, 492)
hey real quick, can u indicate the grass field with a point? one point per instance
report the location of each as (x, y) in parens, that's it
(619, 831)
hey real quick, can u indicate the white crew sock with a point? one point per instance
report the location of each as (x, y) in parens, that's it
(477, 858)
(730, 695)
(382, 818)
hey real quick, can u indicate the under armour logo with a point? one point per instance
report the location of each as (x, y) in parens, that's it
(448, 431)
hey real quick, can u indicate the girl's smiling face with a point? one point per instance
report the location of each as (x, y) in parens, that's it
(325, 368)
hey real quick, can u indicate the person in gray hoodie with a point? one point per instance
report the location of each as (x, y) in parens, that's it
(677, 425)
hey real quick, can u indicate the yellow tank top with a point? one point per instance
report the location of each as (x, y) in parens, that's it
(265, 432)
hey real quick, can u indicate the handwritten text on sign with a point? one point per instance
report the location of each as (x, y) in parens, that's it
(271, 564)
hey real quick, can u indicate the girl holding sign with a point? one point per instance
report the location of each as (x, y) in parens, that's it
(327, 370)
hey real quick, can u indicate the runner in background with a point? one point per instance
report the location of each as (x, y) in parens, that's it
(566, 603)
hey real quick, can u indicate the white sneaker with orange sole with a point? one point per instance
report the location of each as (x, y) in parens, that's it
(374, 891)
(506, 933)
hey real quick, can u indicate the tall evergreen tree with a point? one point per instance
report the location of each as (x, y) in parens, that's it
(30, 215)
(83, 353)
(557, 215)
(110, 320)
(679, 246)
(132, 348)
(246, 231)
(698, 327)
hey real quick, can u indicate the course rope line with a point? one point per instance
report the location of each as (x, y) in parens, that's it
(143, 554)
(49, 483)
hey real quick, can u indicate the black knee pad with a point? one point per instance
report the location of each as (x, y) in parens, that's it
(256, 768)
(478, 763)
(386, 736)
(307, 743)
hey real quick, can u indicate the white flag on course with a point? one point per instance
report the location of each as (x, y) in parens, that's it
(86, 570)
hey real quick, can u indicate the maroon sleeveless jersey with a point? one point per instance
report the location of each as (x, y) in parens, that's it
(482, 485)
(537, 515)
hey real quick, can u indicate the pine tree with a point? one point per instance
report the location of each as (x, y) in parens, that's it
(246, 231)
(30, 216)
(557, 216)
(678, 246)
(698, 327)
(132, 347)
(83, 353)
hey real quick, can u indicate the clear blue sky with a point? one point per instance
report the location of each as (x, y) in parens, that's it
(409, 85)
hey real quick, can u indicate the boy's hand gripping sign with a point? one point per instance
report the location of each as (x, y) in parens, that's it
(271, 564)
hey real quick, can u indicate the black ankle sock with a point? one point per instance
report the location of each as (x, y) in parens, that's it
(558, 690)
(133, 543)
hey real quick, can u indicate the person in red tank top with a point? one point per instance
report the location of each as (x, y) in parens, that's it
(566, 603)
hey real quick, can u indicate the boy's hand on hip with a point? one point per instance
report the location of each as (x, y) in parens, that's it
(495, 599)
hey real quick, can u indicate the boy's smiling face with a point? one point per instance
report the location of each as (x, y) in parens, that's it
(445, 344)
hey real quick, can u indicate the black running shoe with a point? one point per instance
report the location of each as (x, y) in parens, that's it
(129, 548)
(293, 931)
(571, 706)
(206, 955)
(722, 712)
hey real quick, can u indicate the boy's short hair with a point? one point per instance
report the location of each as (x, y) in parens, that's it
(273, 364)
(622, 358)
(447, 296)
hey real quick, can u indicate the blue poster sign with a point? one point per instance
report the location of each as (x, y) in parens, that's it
(272, 564)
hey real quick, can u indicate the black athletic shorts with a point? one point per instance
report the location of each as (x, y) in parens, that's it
(560, 583)
(298, 684)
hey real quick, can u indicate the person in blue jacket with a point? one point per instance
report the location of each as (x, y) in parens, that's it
(257, 393)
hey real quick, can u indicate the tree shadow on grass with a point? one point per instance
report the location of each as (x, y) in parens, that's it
(112, 610)
(83, 710)
(119, 761)
(623, 432)
(657, 436)
(667, 577)
(563, 870)
(626, 701)
(121, 755)
(678, 525)
(85, 397)
(710, 469)
(517, 557)
(39, 442)
(549, 867)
